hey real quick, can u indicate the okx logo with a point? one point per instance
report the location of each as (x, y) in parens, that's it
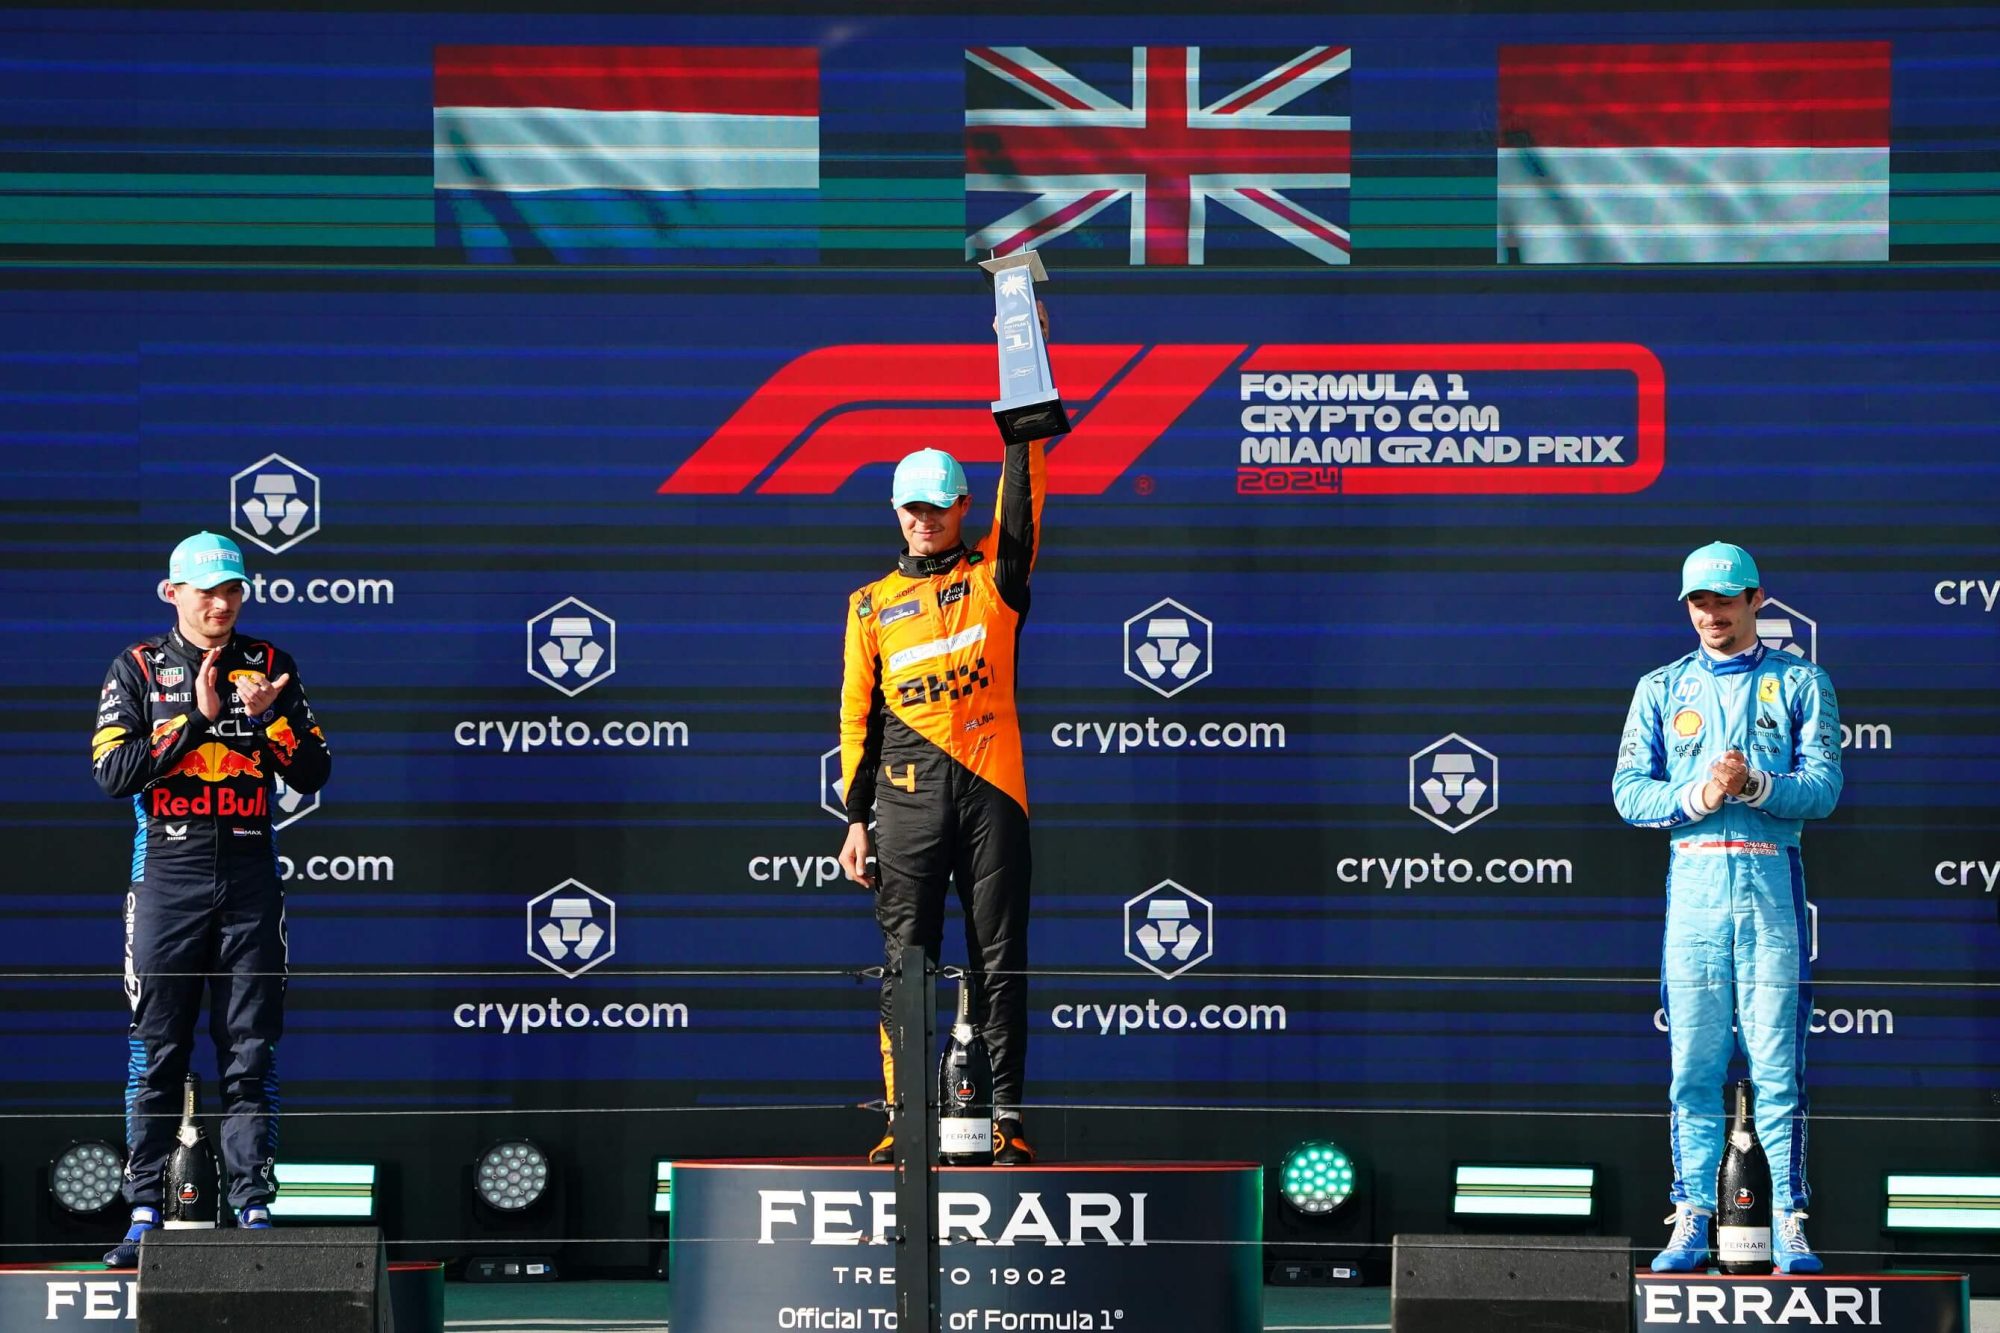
(1780, 627)
(1454, 783)
(572, 928)
(1169, 929)
(572, 646)
(274, 503)
(1168, 647)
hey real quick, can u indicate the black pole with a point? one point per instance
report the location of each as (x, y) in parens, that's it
(911, 1045)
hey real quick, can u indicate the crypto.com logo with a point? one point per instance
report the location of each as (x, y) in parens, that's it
(1169, 929)
(1454, 783)
(1780, 627)
(572, 646)
(572, 928)
(835, 410)
(1168, 647)
(290, 805)
(274, 503)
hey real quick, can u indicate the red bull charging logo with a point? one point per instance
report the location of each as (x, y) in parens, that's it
(284, 741)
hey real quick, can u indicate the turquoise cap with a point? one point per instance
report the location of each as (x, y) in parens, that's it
(928, 476)
(204, 560)
(1719, 567)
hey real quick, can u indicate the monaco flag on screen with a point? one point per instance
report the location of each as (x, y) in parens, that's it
(1737, 152)
(627, 154)
(1158, 155)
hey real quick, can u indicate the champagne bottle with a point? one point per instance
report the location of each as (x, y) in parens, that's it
(190, 1185)
(965, 1090)
(1743, 1195)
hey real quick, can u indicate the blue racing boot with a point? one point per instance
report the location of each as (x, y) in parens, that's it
(126, 1255)
(254, 1218)
(1790, 1251)
(1687, 1248)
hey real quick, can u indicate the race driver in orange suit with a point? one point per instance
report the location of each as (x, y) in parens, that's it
(930, 747)
(193, 727)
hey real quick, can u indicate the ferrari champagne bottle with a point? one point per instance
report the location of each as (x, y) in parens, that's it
(965, 1090)
(189, 1190)
(1743, 1195)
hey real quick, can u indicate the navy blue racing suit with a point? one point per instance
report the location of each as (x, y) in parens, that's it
(205, 909)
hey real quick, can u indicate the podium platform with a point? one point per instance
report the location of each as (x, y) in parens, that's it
(1140, 1247)
(56, 1296)
(1905, 1302)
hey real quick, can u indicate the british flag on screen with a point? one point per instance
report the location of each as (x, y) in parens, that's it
(1159, 155)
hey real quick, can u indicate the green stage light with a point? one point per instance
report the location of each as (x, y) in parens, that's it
(1942, 1203)
(1522, 1191)
(325, 1191)
(1316, 1177)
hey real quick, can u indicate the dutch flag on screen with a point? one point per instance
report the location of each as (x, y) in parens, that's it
(1734, 152)
(627, 154)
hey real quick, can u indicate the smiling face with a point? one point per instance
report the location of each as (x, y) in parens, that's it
(1726, 625)
(928, 529)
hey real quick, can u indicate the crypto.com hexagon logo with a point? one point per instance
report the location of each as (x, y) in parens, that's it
(1780, 627)
(830, 795)
(572, 928)
(572, 646)
(831, 798)
(1454, 783)
(274, 503)
(289, 806)
(1169, 929)
(1168, 647)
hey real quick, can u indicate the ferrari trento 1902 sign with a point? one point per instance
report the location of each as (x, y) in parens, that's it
(1149, 1248)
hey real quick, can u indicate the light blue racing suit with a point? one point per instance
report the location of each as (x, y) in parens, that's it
(1737, 945)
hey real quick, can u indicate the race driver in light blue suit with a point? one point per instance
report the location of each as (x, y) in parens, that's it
(1731, 748)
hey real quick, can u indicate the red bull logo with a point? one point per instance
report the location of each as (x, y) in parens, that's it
(163, 734)
(214, 762)
(284, 741)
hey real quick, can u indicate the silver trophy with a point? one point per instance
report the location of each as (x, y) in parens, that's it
(1029, 408)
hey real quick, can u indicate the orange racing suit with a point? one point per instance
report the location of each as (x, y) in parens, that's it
(930, 747)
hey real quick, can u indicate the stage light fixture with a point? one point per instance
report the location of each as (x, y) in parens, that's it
(1491, 1190)
(511, 1176)
(1925, 1202)
(663, 1188)
(325, 1191)
(86, 1178)
(1316, 1177)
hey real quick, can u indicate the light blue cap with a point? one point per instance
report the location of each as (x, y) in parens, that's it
(1719, 567)
(928, 476)
(204, 560)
